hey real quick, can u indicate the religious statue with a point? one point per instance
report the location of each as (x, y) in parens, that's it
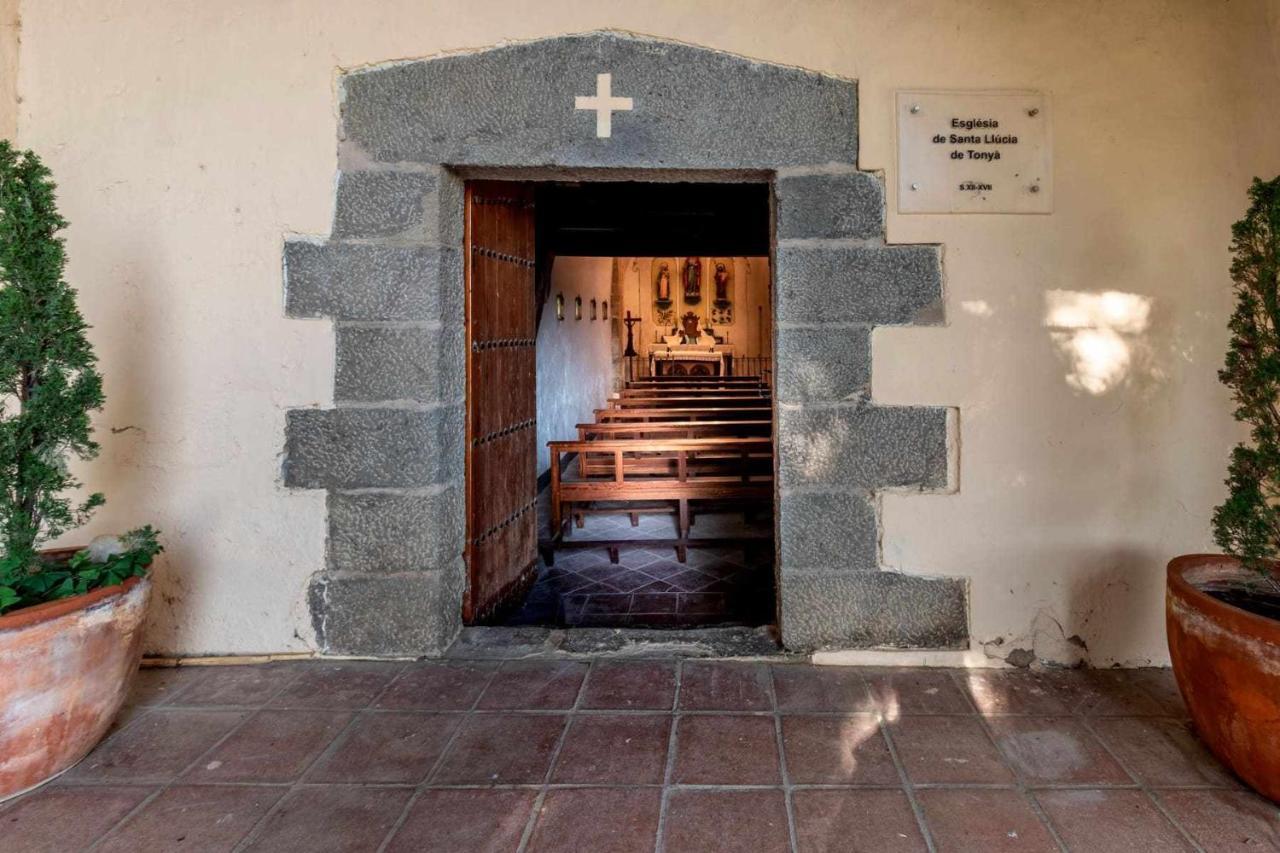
(722, 285)
(692, 280)
(689, 322)
(664, 284)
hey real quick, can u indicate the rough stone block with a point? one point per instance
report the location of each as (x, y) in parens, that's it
(384, 204)
(358, 281)
(829, 531)
(385, 532)
(823, 364)
(388, 363)
(373, 448)
(874, 609)
(888, 285)
(409, 614)
(863, 447)
(514, 106)
(831, 206)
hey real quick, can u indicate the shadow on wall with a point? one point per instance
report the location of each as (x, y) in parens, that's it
(1100, 335)
(1101, 610)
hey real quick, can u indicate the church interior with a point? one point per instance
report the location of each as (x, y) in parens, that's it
(654, 343)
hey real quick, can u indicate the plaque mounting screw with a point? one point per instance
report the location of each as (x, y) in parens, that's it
(915, 186)
(1035, 188)
(1033, 112)
(915, 108)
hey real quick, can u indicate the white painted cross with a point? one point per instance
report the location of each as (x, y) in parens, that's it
(604, 103)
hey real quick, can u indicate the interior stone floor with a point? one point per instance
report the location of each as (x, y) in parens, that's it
(643, 755)
(648, 587)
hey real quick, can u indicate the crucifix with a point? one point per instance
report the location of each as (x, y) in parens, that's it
(604, 103)
(631, 344)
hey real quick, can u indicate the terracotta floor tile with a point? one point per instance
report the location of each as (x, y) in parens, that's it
(947, 750)
(388, 747)
(726, 750)
(330, 686)
(724, 687)
(248, 686)
(631, 686)
(1056, 750)
(59, 818)
(336, 819)
(1160, 684)
(856, 822)
(619, 820)
(702, 821)
(837, 751)
(194, 817)
(492, 821)
(977, 821)
(437, 686)
(1014, 691)
(1110, 822)
(1104, 692)
(841, 689)
(156, 746)
(1226, 820)
(1161, 751)
(156, 685)
(535, 685)
(626, 749)
(501, 748)
(916, 691)
(272, 746)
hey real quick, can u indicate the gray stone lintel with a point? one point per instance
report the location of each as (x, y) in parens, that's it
(863, 446)
(407, 614)
(396, 531)
(847, 205)
(692, 108)
(874, 609)
(352, 448)
(419, 364)
(824, 364)
(362, 281)
(874, 285)
(831, 531)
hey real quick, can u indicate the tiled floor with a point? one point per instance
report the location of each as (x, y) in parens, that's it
(607, 755)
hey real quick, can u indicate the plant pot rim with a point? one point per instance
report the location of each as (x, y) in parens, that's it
(1243, 620)
(25, 617)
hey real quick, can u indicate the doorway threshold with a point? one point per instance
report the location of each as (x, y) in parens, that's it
(532, 641)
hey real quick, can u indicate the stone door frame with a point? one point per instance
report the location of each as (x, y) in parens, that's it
(390, 452)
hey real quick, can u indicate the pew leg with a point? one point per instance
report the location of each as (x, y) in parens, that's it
(548, 555)
(635, 519)
(682, 554)
(614, 556)
(579, 520)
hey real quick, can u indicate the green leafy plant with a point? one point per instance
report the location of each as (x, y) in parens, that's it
(1247, 524)
(49, 385)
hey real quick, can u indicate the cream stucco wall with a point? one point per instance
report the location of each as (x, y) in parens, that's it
(10, 24)
(188, 137)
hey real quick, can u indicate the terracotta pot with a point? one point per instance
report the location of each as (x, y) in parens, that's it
(1227, 662)
(65, 669)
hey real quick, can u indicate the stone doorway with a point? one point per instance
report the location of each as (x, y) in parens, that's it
(390, 452)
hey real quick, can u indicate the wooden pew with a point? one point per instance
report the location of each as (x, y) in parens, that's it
(590, 463)
(657, 393)
(737, 470)
(709, 411)
(723, 401)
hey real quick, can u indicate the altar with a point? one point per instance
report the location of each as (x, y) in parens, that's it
(691, 361)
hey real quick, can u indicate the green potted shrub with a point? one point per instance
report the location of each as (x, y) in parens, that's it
(1223, 611)
(70, 618)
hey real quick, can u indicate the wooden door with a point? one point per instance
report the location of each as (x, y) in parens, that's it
(501, 402)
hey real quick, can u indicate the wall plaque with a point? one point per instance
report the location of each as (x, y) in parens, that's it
(974, 152)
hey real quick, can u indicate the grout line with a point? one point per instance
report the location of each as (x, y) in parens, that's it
(569, 717)
(1023, 789)
(788, 791)
(257, 829)
(439, 762)
(907, 786)
(668, 770)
